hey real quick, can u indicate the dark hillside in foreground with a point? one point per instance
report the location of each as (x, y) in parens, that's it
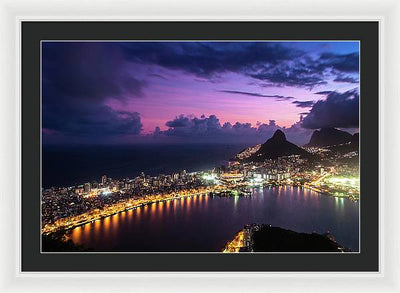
(56, 243)
(274, 239)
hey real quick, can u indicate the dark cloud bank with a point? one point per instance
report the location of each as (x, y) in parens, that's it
(337, 110)
(76, 86)
(271, 63)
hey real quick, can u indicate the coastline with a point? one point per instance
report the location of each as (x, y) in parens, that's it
(54, 227)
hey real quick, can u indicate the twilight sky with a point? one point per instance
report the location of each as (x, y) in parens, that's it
(222, 92)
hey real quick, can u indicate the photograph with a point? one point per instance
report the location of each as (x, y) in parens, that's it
(200, 146)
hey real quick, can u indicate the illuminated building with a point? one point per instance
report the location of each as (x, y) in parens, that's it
(103, 180)
(231, 177)
(86, 187)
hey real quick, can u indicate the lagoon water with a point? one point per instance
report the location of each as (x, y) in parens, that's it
(205, 223)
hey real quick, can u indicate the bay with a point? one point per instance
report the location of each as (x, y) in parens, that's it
(205, 223)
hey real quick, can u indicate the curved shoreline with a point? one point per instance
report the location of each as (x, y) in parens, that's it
(66, 228)
(69, 227)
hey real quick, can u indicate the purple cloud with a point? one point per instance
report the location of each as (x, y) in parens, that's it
(337, 110)
(277, 97)
(303, 104)
(347, 79)
(209, 129)
(77, 81)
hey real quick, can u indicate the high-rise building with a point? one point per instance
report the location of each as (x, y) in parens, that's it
(182, 174)
(86, 187)
(103, 179)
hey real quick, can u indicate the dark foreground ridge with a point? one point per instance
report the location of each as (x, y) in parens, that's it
(275, 239)
(265, 238)
(56, 242)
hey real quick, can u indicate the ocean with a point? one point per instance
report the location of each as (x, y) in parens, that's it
(67, 166)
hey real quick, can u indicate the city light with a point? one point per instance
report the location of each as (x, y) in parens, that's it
(63, 208)
(348, 181)
(210, 177)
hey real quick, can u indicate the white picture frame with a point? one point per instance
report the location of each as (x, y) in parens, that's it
(387, 12)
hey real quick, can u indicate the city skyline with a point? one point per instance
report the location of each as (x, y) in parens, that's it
(326, 168)
(144, 144)
(135, 92)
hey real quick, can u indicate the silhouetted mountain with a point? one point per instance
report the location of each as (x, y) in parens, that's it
(355, 138)
(351, 146)
(247, 152)
(277, 146)
(329, 137)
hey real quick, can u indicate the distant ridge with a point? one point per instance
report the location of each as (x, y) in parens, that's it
(329, 137)
(277, 146)
(351, 146)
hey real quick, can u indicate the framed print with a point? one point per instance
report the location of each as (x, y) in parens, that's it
(171, 146)
(183, 146)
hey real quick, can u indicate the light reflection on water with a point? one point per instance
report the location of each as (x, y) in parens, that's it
(204, 223)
